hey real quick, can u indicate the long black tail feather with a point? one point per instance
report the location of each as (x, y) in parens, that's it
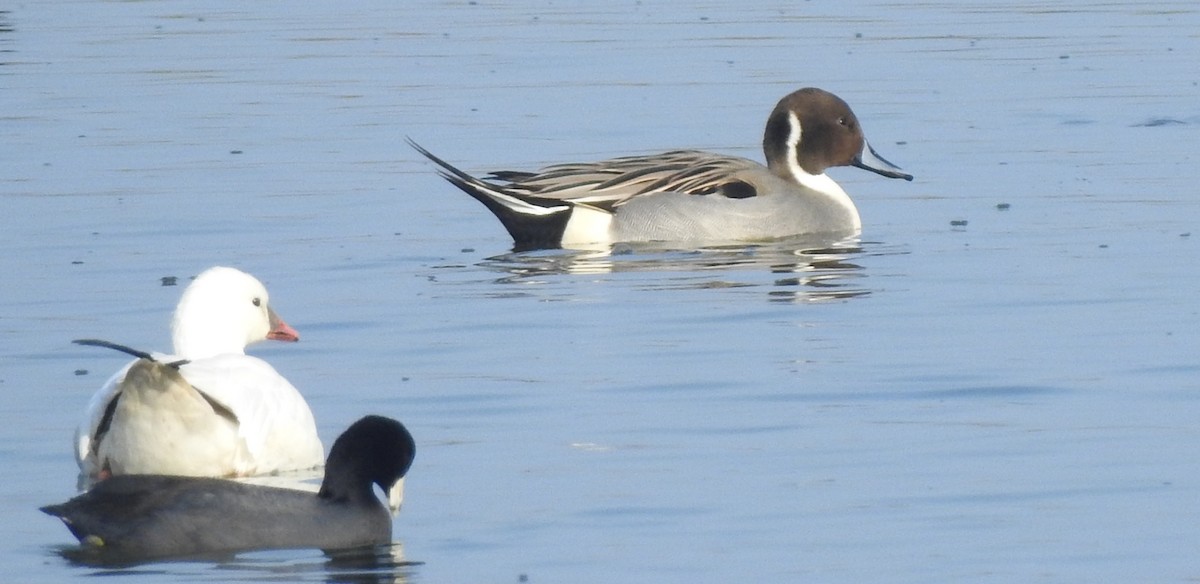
(127, 350)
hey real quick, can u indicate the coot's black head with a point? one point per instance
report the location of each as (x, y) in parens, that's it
(375, 450)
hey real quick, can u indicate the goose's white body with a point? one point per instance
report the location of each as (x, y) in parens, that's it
(210, 409)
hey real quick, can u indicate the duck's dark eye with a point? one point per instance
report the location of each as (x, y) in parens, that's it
(257, 302)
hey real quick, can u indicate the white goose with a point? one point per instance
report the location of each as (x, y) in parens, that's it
(209, 409)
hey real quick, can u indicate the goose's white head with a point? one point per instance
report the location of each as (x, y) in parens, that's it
(222, 311)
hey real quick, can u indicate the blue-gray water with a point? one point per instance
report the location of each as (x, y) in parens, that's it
(1010, 400)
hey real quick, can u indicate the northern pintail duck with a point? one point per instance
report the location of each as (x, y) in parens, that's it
(142, 517)
(209, 409)
(689, 195)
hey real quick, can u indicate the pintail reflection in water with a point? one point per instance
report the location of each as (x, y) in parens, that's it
(792, 270)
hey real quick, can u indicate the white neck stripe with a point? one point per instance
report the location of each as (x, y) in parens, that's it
(820, 183)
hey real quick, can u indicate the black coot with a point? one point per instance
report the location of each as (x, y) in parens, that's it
(153, 516)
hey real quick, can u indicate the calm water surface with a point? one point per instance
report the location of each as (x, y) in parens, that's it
(1012, 399)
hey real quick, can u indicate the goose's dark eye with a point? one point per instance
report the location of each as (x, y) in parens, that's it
(257, 302)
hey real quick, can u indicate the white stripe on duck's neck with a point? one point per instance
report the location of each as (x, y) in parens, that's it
(820, 183)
